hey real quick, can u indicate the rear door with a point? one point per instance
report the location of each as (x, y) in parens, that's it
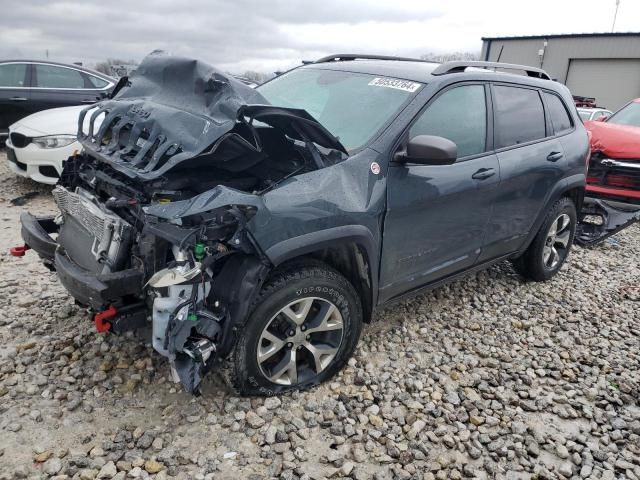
(531, 161)
(61, 86)
(14, 93)
(437, 214)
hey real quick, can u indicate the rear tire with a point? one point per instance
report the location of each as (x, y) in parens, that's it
(551, 245)
(304, 326)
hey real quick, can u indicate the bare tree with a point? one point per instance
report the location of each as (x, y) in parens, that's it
(257, 77)
(450, 56)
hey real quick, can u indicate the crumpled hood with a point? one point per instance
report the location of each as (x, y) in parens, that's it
(174, 109)
(615, 141)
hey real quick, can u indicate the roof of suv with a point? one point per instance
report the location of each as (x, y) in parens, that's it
(414, 70)
(417, 70)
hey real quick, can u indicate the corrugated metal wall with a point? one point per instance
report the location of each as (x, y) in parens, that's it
(562, 52)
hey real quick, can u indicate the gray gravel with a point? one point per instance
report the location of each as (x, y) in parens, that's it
(489, 377)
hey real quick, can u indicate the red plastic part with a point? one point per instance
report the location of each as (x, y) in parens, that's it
(18, 251)
(617, 192)
(101, 318)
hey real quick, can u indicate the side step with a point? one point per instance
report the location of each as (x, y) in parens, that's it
(600, 219)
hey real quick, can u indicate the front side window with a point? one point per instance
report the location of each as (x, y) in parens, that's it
(12, 74)
(629, 115)
(460, 115)
(519, 116)
(558, 113)
(50, 76)
(352, 106)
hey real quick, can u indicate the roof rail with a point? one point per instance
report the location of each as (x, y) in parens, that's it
(460, 66)
(339, 57)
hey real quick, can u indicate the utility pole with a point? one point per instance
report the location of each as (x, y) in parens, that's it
(615, 15)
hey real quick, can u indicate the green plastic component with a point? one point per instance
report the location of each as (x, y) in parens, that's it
(193, 317)
(198, 250)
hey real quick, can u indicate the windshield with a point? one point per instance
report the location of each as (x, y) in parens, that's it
(352, 106)
(629, 115)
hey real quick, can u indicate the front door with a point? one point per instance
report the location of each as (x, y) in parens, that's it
(437, 214)
(58, 86)
(14, 94)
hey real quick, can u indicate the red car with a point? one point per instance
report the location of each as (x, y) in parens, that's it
(613, 182)
(614, 169)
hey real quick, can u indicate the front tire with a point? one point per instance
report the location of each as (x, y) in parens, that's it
(304, 326)
(551, 245)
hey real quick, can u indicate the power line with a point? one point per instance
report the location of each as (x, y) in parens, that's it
(615, 15)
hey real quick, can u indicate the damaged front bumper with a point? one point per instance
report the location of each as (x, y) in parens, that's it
(194, 305)
(94, 290)
(600, 219)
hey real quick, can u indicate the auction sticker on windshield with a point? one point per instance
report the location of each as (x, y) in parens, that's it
(405, 85)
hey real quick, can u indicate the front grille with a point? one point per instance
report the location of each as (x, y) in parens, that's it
(608, 172)
(19, 140)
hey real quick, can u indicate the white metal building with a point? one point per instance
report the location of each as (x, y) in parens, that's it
(601, 65)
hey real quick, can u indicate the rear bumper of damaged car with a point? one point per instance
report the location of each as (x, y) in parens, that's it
(90, 289)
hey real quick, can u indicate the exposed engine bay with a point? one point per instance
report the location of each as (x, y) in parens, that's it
(152, 229)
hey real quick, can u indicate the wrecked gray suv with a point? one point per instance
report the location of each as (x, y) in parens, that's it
(267, 225)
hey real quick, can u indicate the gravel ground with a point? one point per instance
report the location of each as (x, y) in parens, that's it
(489, 377)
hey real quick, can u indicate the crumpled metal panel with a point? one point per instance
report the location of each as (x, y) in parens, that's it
(171, 109)
(615, 141)
(611, 217)
(174, 109)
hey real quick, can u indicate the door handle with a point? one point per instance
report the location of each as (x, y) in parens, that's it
(89, 101)
(18, 99)
(554, 156)
(483, 174)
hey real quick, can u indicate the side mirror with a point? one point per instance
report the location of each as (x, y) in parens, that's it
(429, 150)
(603, 118)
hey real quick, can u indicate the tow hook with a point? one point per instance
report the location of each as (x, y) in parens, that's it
(100, 319)
(19, 250)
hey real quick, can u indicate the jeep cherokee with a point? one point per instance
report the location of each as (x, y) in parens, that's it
(266, 226)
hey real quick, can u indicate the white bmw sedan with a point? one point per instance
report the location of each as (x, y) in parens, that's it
(39, 143)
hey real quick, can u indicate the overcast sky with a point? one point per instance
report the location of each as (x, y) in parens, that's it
(267, 35)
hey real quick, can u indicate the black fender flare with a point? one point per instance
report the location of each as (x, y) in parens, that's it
(330, 237)
(572, 182)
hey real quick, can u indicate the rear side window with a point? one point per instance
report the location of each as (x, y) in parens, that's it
(519, 116)
(558, 113)
(50, 76)
(97, 82)
(460, 115)
(12, 74)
